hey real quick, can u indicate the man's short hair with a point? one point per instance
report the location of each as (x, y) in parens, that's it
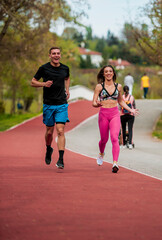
(54, 48)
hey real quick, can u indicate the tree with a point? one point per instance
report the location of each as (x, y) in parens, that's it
(88, 33)
(27, 24)
(111, 39)
(21, 15)
(73, 34)
(150, 42)
(100, 45)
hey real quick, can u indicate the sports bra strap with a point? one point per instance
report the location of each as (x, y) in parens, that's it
(116, 85)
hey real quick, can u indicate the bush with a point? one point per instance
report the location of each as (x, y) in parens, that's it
(2, 108)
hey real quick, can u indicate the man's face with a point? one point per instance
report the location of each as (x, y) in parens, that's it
(55, 55)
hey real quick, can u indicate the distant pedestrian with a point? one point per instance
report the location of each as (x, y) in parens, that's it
(129, 81)
(55, 85)
(19, 107)
(127, 117)
(109, 94)
(145, 84)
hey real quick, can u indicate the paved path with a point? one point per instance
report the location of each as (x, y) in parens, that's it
(147, 155)
(83, 201)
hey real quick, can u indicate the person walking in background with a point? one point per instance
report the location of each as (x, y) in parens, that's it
(109, 94)
(145, 84)
(129, 81)
(127, 117)
(55, 85)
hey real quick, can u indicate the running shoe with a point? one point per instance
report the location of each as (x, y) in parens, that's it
(130, 146)
(48, 156)
(60, 164)
(100, 159)
(115, 168)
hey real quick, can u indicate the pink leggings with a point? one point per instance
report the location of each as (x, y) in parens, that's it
(109, 120)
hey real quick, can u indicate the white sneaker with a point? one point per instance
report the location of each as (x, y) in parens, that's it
(115, 168)
(130, 146)
(124, 146)
(100, 159)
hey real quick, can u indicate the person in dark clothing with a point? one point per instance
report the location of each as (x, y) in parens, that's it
(127, 117)
(56, 82)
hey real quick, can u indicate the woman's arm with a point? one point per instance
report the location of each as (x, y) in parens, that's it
(96, 102)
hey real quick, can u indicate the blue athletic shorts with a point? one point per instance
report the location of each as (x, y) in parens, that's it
(55, 114)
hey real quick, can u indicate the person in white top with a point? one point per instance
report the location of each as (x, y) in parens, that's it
(129, 81)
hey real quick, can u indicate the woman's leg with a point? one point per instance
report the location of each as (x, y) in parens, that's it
(130, 127)
(104, 131)
(114, 126)
(123, 123)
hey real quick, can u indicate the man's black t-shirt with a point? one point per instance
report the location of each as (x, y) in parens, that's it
(54, 95)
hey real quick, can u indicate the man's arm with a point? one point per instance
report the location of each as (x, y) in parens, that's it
(36, 83)
(67, 85)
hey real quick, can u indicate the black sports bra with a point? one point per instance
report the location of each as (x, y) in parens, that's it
(104, 95)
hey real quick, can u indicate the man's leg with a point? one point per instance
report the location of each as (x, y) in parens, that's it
(60, 144)
(48, 139)
(145, 92)
(49, 135)
(130, 89)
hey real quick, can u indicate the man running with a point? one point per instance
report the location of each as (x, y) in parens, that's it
(55, 85)
(129, 81)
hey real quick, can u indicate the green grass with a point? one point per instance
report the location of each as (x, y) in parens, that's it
(34, 108)
(7, 120)
(158, 129)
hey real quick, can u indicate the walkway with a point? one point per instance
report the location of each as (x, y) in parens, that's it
(147, 155)
(83, 201)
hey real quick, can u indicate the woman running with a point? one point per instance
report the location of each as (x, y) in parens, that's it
(109, 94)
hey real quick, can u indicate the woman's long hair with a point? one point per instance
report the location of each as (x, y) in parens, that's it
(126, 90)
(100, 75)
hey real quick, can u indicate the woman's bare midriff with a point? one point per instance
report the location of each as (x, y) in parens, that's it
(109, 103)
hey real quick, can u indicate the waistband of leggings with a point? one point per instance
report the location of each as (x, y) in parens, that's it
(109, 109)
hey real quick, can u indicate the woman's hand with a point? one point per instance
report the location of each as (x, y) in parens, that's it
(97, 104)
(135, 111)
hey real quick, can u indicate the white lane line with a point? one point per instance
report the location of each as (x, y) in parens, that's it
(145, 174)
(30, 119)
(17, 125)
(85, 121)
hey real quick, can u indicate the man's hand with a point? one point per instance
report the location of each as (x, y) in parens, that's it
(48, 83)
(67, 94)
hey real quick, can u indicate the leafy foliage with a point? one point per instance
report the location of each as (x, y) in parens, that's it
(150, 41)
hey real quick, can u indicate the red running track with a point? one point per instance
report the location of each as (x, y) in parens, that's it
(81, 202)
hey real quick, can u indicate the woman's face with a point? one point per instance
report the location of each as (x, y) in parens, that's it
(108, 73)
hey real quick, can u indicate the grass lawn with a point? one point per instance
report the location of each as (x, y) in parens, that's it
(7, 120)
(158, 129)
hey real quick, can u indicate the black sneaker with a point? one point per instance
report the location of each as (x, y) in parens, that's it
(60, 164)
(115, 168)
(48, 156)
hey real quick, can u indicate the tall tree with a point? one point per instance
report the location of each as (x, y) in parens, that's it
(24, 37)
(150, 41)
(111, 39)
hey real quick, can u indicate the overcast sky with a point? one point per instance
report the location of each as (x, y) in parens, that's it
(105, 15)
